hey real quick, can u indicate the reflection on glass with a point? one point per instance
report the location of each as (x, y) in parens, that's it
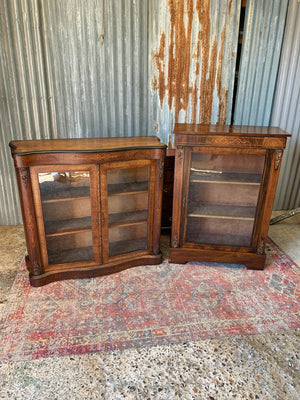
(66, 208)
(223, 196)
(127, 209)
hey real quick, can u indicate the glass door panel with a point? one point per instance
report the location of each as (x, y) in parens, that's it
(222, 199)
(128, 197)
(66, 207)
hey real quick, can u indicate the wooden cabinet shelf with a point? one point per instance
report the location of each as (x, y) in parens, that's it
(126, 246)
(128, 219)
(70, 256)
(90, 206)
(62, 227)
(223, 211)
(224, 187)
(221, 177)
(127, 188)
(51, 192)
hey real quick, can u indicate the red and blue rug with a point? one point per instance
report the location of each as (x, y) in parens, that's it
(149, 305)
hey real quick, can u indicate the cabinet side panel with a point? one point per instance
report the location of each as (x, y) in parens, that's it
(177, 195)
(29, 218)
(268, 190)
(157, 211)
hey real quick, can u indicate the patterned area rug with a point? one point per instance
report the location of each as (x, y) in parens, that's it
(149, 305)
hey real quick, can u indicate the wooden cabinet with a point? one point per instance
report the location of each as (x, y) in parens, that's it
(90, 206)
(224, 187)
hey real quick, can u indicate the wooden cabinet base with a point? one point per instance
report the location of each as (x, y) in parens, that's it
(99, 270)
(250, 260)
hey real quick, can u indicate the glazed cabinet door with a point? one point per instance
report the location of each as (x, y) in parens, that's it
(66, 201)
(127, 190)
(222, 188)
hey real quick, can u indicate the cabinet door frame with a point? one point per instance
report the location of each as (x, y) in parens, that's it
(185, 180)
(95, 207)
(151, 163)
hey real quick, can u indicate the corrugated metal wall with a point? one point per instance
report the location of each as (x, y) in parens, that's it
(193, 61)
(262, 41)
(286, 111)
(161, 61)
(58, 80)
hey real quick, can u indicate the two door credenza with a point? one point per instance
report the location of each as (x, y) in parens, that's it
(90, 206)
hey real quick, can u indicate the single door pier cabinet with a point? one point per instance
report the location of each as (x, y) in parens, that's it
(90, 206)
(224, 186)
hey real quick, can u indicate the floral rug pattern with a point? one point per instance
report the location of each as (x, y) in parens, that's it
(149, 305)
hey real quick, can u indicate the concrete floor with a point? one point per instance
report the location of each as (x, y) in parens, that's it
(245, 367)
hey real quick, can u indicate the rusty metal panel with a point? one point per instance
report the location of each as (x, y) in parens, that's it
(262, 41)
(193, 55)
(286, 111)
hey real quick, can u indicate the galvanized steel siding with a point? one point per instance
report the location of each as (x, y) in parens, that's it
(58, 80)
(97, 89)
(262, 40)
(193, 62)
(161, 61)
(286, 111)
(24, 107)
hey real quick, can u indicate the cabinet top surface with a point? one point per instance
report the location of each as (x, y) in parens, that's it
(234, 130)
(22, 147)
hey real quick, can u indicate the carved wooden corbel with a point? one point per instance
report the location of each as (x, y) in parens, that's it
(174, 242)
(278, 156)
(180, 153)
(24, 171)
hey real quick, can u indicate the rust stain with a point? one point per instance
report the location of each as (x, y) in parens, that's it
(222, 92)
(179, 54)
(223, 106)
(179, 78)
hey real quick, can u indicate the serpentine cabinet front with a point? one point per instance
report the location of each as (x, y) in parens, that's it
(90, 206)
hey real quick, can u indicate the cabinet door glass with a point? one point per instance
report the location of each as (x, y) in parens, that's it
(127, 209)
(66, 206)
(222, 198)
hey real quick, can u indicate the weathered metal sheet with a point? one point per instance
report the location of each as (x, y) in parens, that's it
(23, 92)
(262, 40)
(286, 111)
(193, 62)
(58, 80)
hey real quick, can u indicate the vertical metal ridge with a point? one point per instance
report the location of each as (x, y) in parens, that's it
(58, 81)
(262, 39)
(24, 94)
(286, 112)
(193, 54)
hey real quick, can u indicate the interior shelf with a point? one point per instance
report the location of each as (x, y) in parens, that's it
(127, 246)
(126, 188)
(65, 193)
(71, 255)
(223, 211)
(60, 227)
(224, 177)
(220, 239)
(128, 218)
